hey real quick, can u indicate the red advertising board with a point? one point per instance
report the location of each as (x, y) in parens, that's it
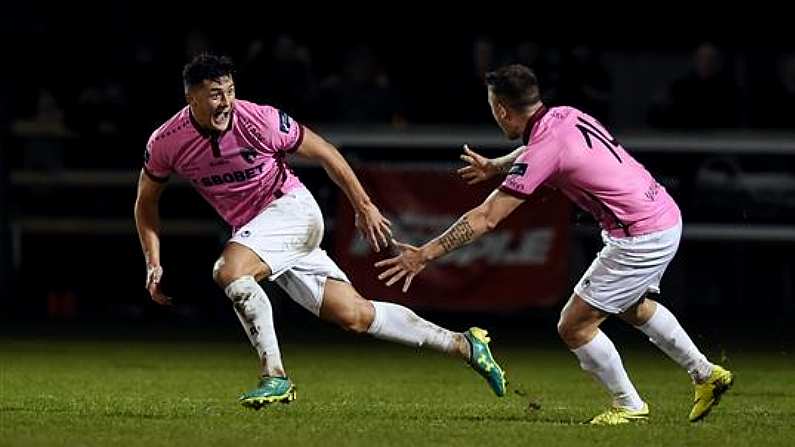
(521, 264)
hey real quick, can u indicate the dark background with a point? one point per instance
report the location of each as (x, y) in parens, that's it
(711, 116)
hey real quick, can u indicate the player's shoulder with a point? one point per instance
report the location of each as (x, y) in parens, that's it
(262, 117)
(171, 130)
(561, 114)
(563, 121)
(552, 124)
(566, 114)
(244, 107)
(250, 113)
(253, 110)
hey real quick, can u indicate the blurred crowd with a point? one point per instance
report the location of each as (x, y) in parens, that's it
(127, 90)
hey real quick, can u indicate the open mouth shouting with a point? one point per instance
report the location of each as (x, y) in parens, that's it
(220, 118)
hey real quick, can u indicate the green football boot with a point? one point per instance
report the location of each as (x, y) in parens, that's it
(483, 362)
(269, 390)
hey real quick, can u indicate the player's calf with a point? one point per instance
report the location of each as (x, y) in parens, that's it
(343, 306)
(356, 317)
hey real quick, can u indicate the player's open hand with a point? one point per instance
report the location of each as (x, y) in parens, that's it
(154, 273)
(479, 167)
(374, 226)
(407, 264)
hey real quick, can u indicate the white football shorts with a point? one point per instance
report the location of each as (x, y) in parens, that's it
(628, 268)
(286, 235)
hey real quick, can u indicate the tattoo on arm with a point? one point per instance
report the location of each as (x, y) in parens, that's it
(456, 237)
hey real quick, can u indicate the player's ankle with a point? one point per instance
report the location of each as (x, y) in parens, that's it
(702, 373)
(463, 347)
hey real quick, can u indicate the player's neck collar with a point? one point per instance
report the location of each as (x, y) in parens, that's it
(534, 118)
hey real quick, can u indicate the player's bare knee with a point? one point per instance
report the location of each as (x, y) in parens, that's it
(223, 277)
(564, 329)
(218, 272)
(365, 317)
(357, 323)
(563, 325)
(570, 333)
(357, 317)
(347, 318)
(358, 327)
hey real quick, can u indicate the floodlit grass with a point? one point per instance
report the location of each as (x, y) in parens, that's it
(115, 392)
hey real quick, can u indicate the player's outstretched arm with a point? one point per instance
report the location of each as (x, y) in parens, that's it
(147, 221)
(480, 168)
(471, 226)
(373, 226)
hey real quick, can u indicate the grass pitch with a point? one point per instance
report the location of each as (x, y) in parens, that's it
(362, 392)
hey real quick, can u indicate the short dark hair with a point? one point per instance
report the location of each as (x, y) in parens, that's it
(515, 84)
(206, 66)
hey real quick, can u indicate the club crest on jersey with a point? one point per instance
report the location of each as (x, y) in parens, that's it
(518, 169)
(248, 154)
(284, 122)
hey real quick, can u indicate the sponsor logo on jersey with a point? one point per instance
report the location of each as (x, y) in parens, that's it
(284, 122)
(236, 176)
(518, 169)
(249, 154)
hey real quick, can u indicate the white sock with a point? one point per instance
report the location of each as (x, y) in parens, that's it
(399, 324)
(253, 308)
(600, 358)
(665, 331)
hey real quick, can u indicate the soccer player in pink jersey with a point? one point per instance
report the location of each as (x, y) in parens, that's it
(569, 150)
(234, 153)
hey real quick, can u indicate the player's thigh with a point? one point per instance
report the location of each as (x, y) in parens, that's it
(286, 233)
(317, 284)
(236, 261)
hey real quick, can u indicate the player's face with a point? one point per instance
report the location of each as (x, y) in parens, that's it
(503, 117)
(211, 102)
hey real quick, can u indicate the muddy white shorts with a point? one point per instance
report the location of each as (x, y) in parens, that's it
(286, 235)
(628, 268)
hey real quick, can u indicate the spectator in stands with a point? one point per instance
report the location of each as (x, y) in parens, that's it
(466, 87)
(706, 98)
(42, 135)
(101, 108)
(585, 82)
(282, 76)
(777, 102)
(363, 93)
(545, 63)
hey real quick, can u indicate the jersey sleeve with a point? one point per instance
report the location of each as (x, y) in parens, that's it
(156, 163)
(535, 165)
(282, 132)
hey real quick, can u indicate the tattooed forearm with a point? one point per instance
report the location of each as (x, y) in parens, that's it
(456, 237)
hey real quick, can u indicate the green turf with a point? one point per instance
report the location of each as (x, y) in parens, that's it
(362, 393)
